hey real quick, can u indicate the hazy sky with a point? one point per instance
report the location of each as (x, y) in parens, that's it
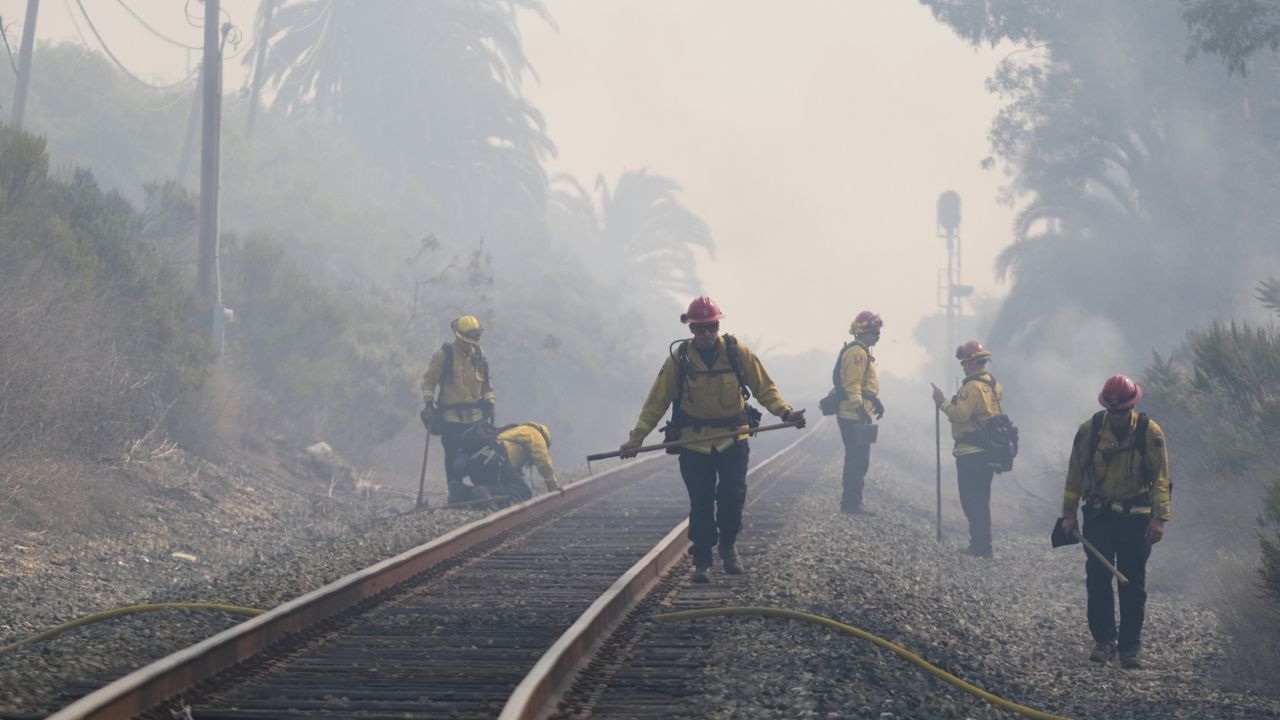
(813, 137)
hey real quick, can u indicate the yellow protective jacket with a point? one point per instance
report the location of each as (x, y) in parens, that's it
(465, 388)
(858, 377)
(1124, 477)
(525, 446)
(976, 402)
(710, 393)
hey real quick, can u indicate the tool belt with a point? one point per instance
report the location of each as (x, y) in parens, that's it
(1140, 505)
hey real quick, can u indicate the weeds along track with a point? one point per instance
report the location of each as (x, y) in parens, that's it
(445, 630)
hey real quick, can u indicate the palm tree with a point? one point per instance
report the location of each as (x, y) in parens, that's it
(430, 89)
(639, 226)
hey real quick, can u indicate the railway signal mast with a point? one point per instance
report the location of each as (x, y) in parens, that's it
(950, 289)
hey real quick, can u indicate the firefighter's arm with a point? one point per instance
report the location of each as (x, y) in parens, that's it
(656, 404)
(853, 369)
(1075, 474)
(431, 378)
(542, 458)
(961, 407)
(761, 385)
(1158, 459)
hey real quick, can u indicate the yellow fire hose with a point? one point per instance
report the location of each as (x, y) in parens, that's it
(129, 610)
(898, 649)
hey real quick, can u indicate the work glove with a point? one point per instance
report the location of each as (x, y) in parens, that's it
(629, 449)
(938, 397)
(427, 413)
(796, 416)
(877, 406)
(553, 483)
(486, 408)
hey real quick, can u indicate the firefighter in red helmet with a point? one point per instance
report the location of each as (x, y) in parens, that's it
(707, 381)
(978, 400)
(1119, 471)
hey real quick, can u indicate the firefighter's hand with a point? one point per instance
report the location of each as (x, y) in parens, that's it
(795, 416)
(553, 483)
(486, 408)
(426, 414)
(1155, 531)
(938, 397)
(1069, 526)
(629, 449)
(877, 406)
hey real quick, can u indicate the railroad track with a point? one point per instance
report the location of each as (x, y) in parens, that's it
(445, 630)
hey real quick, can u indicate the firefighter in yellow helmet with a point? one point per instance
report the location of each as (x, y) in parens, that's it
(978, 400)
(529, 445)
(857, 377)
(1119, 470)
(460, 372)
(706, 381)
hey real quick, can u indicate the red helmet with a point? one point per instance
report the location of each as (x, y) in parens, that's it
(1119, 393)
(702, 310)
(972, 350)
(866, 322)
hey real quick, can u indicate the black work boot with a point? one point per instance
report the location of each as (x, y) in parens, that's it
(1131, 658)
(1102, 652)
(732, 560)
(701, 573)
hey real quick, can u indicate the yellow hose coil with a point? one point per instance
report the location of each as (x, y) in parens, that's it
(129, 610)
(901, 651)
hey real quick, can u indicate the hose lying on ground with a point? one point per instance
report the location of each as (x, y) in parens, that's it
(129, 610)
(898, 649)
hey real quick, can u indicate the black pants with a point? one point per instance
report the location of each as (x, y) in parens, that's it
(857, 458)
(717, 485)
(974, 475)
(451, 441)
(1122, 541)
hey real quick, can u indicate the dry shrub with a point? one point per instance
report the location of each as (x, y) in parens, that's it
(73, 376)
(1251, 623)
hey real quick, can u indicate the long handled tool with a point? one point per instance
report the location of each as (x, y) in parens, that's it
(937, 438)
(422, 479)
(1098, 556)
(682, 443)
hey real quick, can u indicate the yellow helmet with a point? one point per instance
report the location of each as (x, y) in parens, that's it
(542, 430)
(467, 329)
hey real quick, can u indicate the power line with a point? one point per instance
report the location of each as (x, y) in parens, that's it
(7, 49)
(116, 60)
(154, 31)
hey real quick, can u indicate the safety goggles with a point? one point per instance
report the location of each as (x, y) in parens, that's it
(472, 334)
(700, 328)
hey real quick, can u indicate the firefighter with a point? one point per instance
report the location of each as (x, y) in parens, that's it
(862, 398)
(1119, 470)
(461, 372)
(707, 381)
(529, 444)
(979, 399)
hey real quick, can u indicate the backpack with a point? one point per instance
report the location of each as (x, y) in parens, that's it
(830, 404)
(749, 416)
(1139, 443)
(998, 436)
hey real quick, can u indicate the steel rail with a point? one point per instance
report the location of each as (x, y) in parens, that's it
(166, 678)
(535, 696)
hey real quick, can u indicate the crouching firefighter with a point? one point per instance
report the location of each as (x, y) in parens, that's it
(707, 382)
(496, 458)
(461, 372)
(1119, 470)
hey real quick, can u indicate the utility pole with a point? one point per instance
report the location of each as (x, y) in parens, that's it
(24, 63)
(950, 289)
(208, 280)
(264, 35)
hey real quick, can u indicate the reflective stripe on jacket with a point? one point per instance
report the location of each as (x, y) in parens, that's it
(1121, 478)
(465, 387)
(710, 393)
(974, 404)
